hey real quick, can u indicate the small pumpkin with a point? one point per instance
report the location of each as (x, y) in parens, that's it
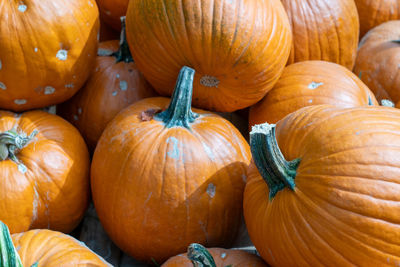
(326, 189)
(378, 61)
(115, 84)
(44, 165)
(323, 32)
(47, 50)
(375, 12)
(44, 248)
(238, 49)
(164, 176)
(197, 255)
(309, 83)
(112, 10)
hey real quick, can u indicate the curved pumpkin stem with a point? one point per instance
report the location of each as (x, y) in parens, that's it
(275, 170)
(123, 53)
(200, 256)
(179, 111)
(8, 255)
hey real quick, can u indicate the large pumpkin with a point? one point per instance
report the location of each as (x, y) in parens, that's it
(326, 192)
(161, 181)
(199, 256)
(47, 50)
(44, 248)
(375, 12)
(323, 30)
(112, 10)
(115, 84)
(238, 48)
(44, 165)
(378, 61)
(311, 83)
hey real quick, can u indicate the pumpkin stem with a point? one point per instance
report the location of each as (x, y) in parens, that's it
(275, 170)
(200, 256)
(8, 254)
(123, 53)
(179, 111)
(11, 142)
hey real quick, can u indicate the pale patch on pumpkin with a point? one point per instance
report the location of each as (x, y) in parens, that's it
(22, 8)
(108, 12)
(114, 93)
(3, 86)
(117, 76)
(62, 54)
(90, 3)
(35, 49)
(70, 85)
(79, 111)
(104, 52)
(211, 190)
(314, 85)
(209, 81)
(223, 255)
(244, 178)
(20, 101)
(148, 198)
(48, 90)
(387, 103)
(123, 85)
(310, 101)
(1, 65)
(208, 151)
(35, 204)
(174, 153)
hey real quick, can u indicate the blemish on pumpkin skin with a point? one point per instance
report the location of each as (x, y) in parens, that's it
(70, 85)
(76, 117)
(314, 85)
(211, 190)
(310, 101)
(79, 111)
(123, 85)
(62, 54)
(1, 65)
(36, 49)
(114, 93)
(223, 255)
(3, 86)
(20, 101)
(209, 81)
(174, 153)
(48, 90)
(208, 151)
(22, 8)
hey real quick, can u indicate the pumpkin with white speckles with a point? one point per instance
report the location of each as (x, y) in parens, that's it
(164, 176)
(44, 172)
(115, 84)
(47, 50)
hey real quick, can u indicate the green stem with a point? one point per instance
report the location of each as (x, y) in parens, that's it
(8, 254)
(200, 256)
(123, 53)
(275, 170)
(11, 142)
(179, 111)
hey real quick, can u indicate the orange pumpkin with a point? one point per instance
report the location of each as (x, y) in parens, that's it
(44, 163)
(238, 49)
(311, 83)
(44, 248)
(162, 180)
(115, 84)
(326, 192)
(378, 61)
(214, 257)
(47, 50)
(112, 10)
(323, 30)
(375, 12)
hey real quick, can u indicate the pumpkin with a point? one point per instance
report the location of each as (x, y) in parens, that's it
(198, 255)
(44, 165)
(44, 248)
(375, 12)
(47, 50)
(323, 32)
(324, 188)
(107, 32)
(164, 176)
(115, 84)
(309, 83)
(112, 10)
(238, 49)
(378, 61)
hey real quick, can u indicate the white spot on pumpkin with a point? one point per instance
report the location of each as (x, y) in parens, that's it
(20, 101)
(211, 190)
(117, 76)
(79, 110)
(70, 85)
(90, 3)
(1, 65)
(22, 8)
(209, 81)
(174, 153)
(22, 168)
(314, 85)
(310, 101)
(36, 49)
(387, 103)
(3, 86)
(62, 54)
(123, 85)
(114, 93)
(223, 255)
(76, 117)
(48, 90)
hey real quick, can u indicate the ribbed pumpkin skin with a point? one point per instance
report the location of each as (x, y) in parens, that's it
(51, 248)
(375, 12)
(222, 258)
(157, 189)
(112, 10)
(309, 83)
(54, 191)
(47, 50)
(111, 87)
(345, 209)
(238, 49)
(323, 30)
(378, 61)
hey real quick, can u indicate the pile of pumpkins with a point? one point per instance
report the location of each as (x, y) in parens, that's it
(318, 183)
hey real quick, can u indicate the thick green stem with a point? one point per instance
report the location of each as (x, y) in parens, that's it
(8, 255)
(275, 170)
(200, 256)
(123, 53)
(11, 142)
(179, 111)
